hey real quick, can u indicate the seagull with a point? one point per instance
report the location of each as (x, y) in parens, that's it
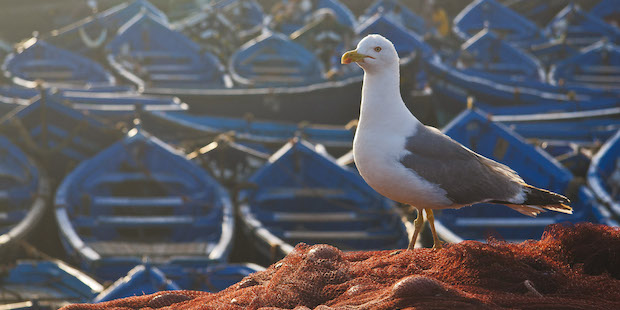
(418, 165)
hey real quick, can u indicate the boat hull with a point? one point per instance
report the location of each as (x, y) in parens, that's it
(334, 102)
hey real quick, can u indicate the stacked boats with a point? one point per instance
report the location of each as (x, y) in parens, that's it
(163, 149)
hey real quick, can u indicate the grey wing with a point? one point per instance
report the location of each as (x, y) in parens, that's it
(466, 177)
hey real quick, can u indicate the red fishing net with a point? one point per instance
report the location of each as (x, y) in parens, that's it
(572, 267)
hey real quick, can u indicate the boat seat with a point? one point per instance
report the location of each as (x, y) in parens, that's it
(276, 70)
(160, 56)
(593, 85)
(55, 63)
(140, 249)
(116, 177)
(146, 220)
(313, 217)
(336, 235)
(277, 79)
(172, 68)
(147, 202)
(593, 69)
(581, 41)
(503, 222)
(596, 79)
(295, 192)
(508, 67)
(49, 74)
(176, 77)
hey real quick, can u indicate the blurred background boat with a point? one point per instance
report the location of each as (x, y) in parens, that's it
(302, 195)
(475, 131)
(604, 176)
(56, 135)
(123, 205)
(46, 285)
(37, 61)
(147, 279)
(24, 193)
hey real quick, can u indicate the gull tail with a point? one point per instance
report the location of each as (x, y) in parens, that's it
(539, 200)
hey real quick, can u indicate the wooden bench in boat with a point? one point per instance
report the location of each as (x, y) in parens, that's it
(598, 69)
(146, 220)
(159, 56)
(172, 68)
(115, 177)
(276, 70)
(337, 235)
(294, 192)
(148, 202)
(57, 75)
(140, 249)
(596, 79)
(501, 68)
(314, 217)
(176, 77)
(277, 79)
(503, 222)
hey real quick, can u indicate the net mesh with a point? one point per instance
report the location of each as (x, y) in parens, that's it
(571, 267)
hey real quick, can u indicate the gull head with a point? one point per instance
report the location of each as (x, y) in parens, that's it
(374, 53)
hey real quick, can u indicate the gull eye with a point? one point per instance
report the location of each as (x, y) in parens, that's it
(377, 49)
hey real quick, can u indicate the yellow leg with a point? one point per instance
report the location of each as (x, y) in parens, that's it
(418, 223)
(437, 244)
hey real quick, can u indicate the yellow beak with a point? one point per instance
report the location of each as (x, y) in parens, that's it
(352, 56)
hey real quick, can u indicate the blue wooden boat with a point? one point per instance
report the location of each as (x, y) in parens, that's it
(487, 56)
(140, 280)
(475, 131)
(597, 66)
(55, 134)
(151, 55)
(12, 97)
(45, 285)
(289, 16)
(147, 279)
(231, 162)
(141, 198)
(222, 26)
(539, 12)
(578, 28)
(328, 39)
(302, 195)
(607, 10)
(121, 106)
(38, 60)
(209, 278)
(324, 102)
(405, 41)
(604, 175)
(489, 14)
(581, 127)
(398, 13)
(180, 128)
(89, 36)
(576, 157)
(246, 15)
(24, 190)
(454, 90)
(272, 59)
(295, 99)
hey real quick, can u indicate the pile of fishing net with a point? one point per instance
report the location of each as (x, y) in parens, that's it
(572, 267)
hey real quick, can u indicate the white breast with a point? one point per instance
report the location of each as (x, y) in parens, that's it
(377, 155)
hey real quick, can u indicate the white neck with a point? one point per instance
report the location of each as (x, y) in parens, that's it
(382, 104)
